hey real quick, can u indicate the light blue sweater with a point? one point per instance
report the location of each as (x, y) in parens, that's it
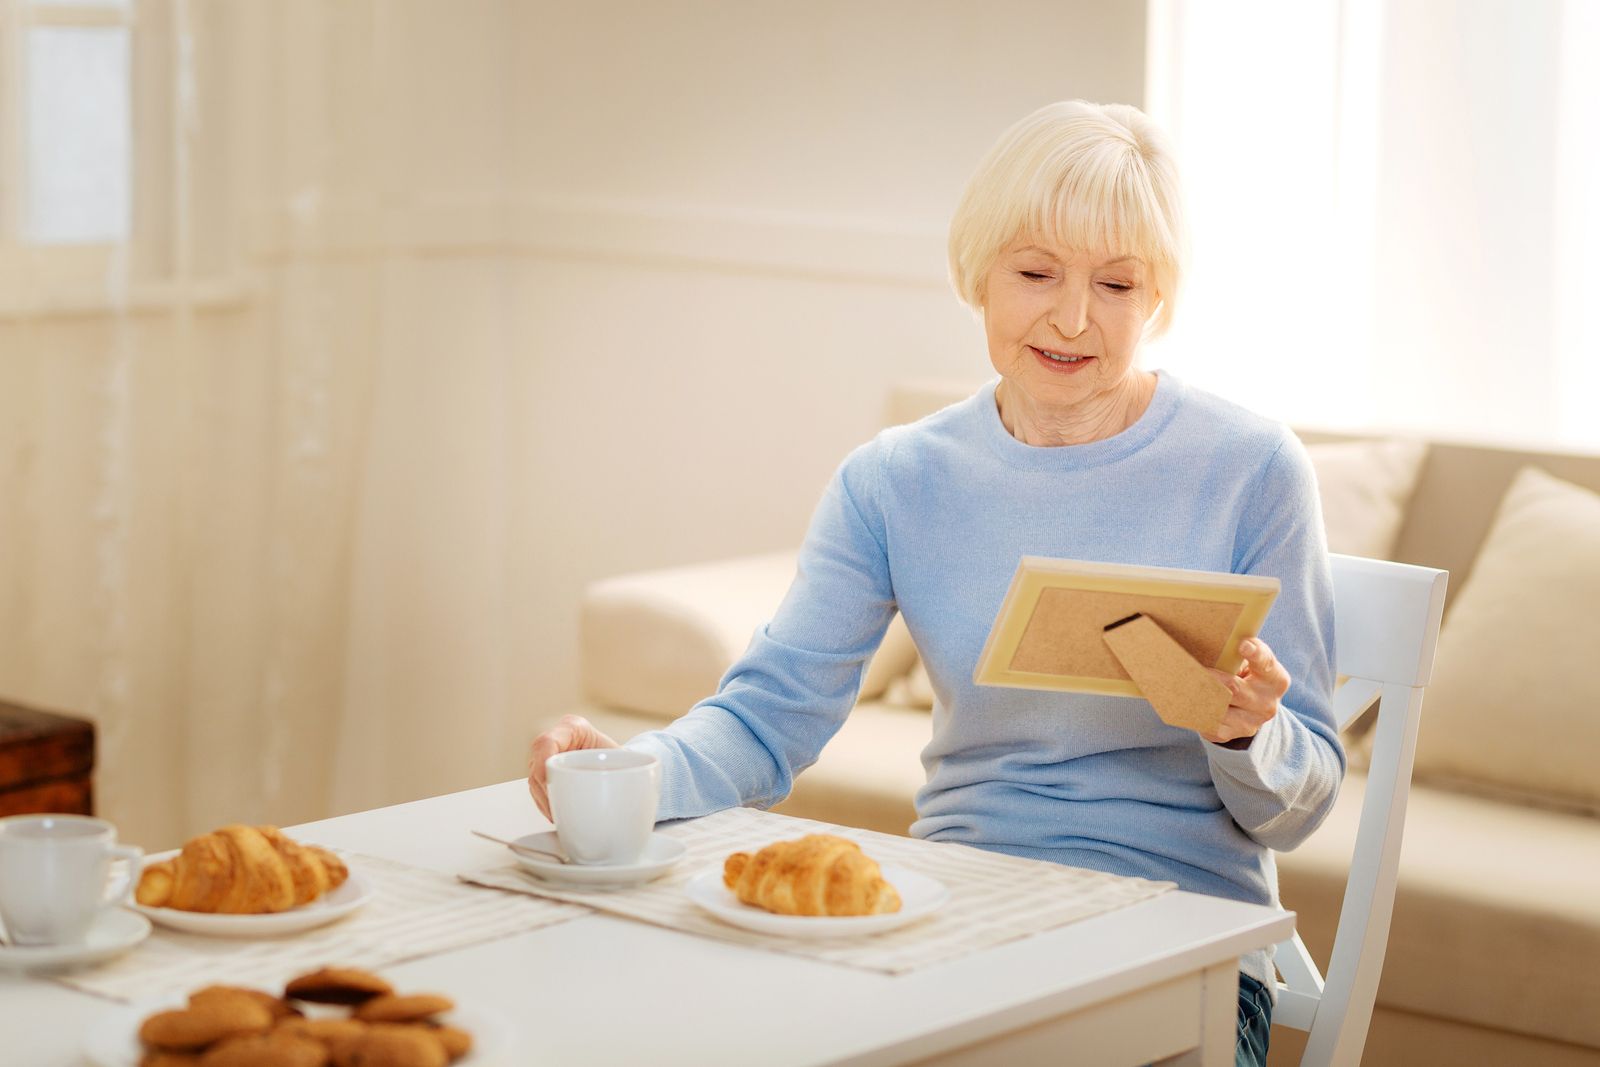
(931, 519)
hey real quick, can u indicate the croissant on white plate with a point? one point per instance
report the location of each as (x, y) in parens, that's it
(241, 870)
(817, 875)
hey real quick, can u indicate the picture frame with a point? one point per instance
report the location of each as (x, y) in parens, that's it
(1049, 633)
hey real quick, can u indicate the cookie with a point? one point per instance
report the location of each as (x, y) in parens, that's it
(196, 1027)
(280, 1008)
(392, 1045)
(266, 1050)
(412, 1008)
(337, 985)
(456, 1041)
(328, 1031)
(162, 1058)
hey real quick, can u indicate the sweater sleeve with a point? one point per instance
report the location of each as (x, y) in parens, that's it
(1281, 787)
(791, 690)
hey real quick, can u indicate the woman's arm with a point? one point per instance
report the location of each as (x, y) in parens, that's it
(1281, 784)
(793, 687)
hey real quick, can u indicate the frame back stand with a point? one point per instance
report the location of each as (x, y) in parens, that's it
(1183, 690)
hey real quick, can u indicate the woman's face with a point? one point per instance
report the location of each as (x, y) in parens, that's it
(1063, 324)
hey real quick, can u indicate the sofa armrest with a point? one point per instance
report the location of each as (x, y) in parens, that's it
(660, 641)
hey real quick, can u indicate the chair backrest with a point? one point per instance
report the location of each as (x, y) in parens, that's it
(1386, 626)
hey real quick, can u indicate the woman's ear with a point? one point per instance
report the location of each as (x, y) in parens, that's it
(1149, 329)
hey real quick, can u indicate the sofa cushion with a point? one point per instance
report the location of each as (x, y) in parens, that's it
(914, 689)
(1398, 1038)
(660, 641)
(1364, 487)
(1514, 705)
(1496, 918)
(869, 774)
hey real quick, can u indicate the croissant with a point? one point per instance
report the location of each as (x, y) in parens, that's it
(241, 870)
(819, 874)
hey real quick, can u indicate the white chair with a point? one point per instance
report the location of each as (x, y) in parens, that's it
(1386, 627)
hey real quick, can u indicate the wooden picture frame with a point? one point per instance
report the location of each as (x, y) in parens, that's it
(1050, 630)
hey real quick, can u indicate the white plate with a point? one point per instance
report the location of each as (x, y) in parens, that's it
(661, 854)
(332, 905)
(113, 1039)
(114, 932)
(920, 896)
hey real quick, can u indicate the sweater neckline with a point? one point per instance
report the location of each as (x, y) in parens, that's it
(1164, 403)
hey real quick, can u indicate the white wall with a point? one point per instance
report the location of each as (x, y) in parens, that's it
(526, 294)
(722, 231)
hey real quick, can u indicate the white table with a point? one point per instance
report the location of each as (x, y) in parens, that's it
(1154, 980)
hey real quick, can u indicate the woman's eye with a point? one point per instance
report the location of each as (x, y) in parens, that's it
(1117, 286)
(1034, 275)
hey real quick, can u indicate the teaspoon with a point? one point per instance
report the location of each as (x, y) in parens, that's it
(513, 846)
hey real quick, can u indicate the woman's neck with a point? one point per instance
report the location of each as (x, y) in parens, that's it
(1094, 419)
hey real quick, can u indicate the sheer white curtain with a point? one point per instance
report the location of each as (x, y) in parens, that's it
(1392, 210)
(258, 482)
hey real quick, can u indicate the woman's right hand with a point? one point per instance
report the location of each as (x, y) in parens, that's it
(571, 733)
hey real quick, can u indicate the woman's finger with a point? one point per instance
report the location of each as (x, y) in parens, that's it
(541, 797)
(1242, 722)
(1233, 682)
(1264, 665)
(537, 786)
(558, 739)
(1248, 710)
(1253, 693)
(572, 732)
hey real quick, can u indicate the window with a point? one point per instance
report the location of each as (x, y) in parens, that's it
(1272, 112)
(66, 143)
(1393, 210)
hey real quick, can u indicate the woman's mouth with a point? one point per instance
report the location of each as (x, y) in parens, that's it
(1061, 362)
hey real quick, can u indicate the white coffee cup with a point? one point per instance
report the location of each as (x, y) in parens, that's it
(53, 876)
(603, 801)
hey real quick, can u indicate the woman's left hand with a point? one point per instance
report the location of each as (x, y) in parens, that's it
(1253, 694)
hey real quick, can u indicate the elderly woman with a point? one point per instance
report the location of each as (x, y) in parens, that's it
(1068, 242)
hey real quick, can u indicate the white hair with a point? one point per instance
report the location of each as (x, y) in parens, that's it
(1089, 176)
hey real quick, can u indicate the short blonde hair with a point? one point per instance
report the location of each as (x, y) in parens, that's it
(1091, 176)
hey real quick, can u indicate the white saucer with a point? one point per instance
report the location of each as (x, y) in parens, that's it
(114, 932)
(661, 854)
(920, 896)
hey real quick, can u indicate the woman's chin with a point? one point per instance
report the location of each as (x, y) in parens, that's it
(1059, 387)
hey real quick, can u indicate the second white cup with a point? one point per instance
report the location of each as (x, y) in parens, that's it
(603, 802)
(53, 876)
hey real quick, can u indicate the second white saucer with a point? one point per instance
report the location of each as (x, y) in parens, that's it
(661, 854)
(114, 932)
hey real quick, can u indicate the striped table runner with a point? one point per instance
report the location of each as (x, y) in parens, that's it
(413, 913)
(994, 898)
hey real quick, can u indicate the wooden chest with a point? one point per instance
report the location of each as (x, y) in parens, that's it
(46, 762)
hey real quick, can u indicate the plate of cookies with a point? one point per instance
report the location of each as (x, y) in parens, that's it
(336, 1015)
(247, 881)
(818, 886)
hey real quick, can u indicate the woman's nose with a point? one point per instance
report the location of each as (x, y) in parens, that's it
(1070, 315)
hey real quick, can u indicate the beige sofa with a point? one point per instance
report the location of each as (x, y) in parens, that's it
(1494, 952)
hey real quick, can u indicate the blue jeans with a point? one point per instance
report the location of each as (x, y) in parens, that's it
(1255, 1023)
